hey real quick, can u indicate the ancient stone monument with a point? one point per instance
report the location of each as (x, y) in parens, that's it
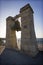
(12, 26)
(28, 39)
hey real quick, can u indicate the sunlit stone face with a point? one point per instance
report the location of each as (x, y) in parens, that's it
(12, 26)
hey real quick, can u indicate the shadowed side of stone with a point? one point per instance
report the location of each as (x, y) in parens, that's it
(28, 38)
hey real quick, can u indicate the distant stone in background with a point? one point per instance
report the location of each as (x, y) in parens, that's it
(40, 44)
(1, 41)
(28, 39)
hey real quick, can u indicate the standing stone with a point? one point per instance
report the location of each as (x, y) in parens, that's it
(11, 41)
(28, 39)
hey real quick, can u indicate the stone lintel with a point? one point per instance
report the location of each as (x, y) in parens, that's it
(17, 16)
(13, 18)
(26, 7)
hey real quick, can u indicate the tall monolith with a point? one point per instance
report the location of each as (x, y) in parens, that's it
(11, 41)
(28, 38)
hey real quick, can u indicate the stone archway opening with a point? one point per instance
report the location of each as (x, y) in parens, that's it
(28, 38)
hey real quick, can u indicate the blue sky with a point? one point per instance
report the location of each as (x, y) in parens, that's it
(12, 8)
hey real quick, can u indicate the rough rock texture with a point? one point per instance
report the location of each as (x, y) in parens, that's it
(10, 34)
(28, 39)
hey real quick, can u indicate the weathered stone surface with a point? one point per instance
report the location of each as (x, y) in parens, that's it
(10, 34)
(1, 49)
(13, 25)
(28, 39)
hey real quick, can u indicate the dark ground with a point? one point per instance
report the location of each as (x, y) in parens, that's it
(13, 57)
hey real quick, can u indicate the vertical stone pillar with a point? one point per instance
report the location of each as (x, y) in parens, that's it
(10, 34)
(28, 39)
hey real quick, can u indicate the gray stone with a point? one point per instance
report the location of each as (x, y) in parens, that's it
(28, 38)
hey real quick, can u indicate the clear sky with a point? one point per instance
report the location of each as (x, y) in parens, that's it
(12, 8)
